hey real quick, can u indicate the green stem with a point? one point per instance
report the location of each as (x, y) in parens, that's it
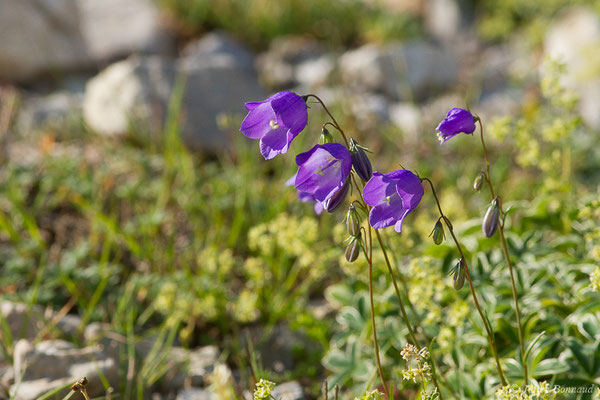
(372, 304)
(335, 123)
(507, 256)
(488, 329)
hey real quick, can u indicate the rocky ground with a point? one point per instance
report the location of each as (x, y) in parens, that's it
(114, 66)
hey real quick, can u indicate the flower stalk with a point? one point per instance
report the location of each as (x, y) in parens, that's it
(488, 329)
(506, 255)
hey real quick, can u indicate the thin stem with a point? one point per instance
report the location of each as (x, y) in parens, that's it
(336, 125)
(404, 315)
(507, 256)
(376, 345)
(402, 309)
(473, 294)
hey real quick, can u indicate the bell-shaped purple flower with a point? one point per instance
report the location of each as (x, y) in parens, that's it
(276, 121)
(392, 196)
(307, 197)
(457, 121)
(323, 170)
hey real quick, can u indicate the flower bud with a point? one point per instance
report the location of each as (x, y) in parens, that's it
(353, 249)
(458, 278)
(478, 182)
(352, 221)
(360, 161)
(334, 202)
(491, 219)
(326, 136)
(438, 232)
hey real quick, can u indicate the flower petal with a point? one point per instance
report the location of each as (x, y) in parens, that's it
(386, 214)
(258, 121)
(274, 142)
(292, 110)
(379, 187)
(410, 190)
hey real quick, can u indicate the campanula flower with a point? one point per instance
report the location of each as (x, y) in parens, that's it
(276, 121)
(323, 170)
(306, 197)
(457, 121)
(393, 196)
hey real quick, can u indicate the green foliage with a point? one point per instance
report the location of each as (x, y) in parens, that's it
(258, 22)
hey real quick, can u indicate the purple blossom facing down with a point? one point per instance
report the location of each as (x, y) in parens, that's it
(393, 196)
(323, 170)
(276, 121)
(457, 121)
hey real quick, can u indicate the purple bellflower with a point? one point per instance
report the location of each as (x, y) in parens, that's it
(276, 121)
(307, 197)
(323, 170)
(457, 121)
(393, 196)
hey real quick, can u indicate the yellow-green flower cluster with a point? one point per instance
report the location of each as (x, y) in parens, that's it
(538, 391)
(418, 368)
(426, 287)
(263, 390)
(371, 395)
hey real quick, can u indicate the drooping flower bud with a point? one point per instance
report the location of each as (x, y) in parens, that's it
(459, 275)
(438, 232)
(353, 248)
(360, 161)
(352, 221)
(491, 219)
(326, 136)
(335, 201)
(478, 182)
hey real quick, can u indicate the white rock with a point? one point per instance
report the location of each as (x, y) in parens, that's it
(443, 19)
(399, 70)
(134, 91)
(407, 117)
(315, 72)
(48, 365)
(23, 322)
(195, 394)
(288, 391)
(50, 36)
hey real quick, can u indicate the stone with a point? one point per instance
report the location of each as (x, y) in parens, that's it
(186, 367)
(221, 49)
(276, 348)
(195, 394)
(135, 93)
(443, 19)
(23, 322)
(201, 364)
(501, 103)
(288, 391)
(277, 68)
(42, 367)
(574, 39)
(56, 36)
(55, 112)
(407, 117)
(315, 72)
(399, 70)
